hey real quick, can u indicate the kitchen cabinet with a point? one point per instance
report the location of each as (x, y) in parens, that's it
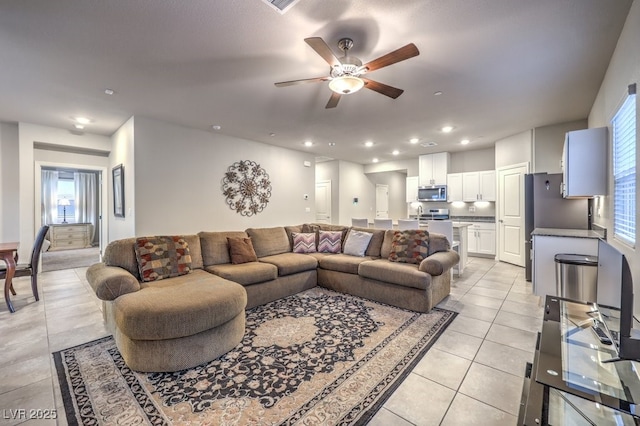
(433, 168)
(584, 163)
(549, 242)
(454, 187)
(412, 188)
(479, 186)
(482, 239)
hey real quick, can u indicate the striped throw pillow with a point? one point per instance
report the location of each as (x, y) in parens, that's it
(330, 242)
(304, 242)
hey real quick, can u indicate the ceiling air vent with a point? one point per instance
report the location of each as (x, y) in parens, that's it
(427, 144)
(281, 5)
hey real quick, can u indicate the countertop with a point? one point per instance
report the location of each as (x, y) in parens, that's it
(558, 232)
(490, 219)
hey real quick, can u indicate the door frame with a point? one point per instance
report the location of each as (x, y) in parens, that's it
(103, 198)
(527, 166)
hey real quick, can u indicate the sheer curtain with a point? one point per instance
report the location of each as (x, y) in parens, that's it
(86, 199)
(49, 198)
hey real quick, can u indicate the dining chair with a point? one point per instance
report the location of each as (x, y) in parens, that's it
(31, 268)
(404, 224)
(361, 223)
(382, 223)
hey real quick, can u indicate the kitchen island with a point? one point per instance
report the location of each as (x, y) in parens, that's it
(547, 242)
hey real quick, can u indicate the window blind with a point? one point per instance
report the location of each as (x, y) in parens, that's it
(624, 171)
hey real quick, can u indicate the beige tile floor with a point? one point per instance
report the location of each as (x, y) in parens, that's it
(472, 375)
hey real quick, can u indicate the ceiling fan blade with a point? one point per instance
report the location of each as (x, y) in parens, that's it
(333, 100)
(405, 52)
(392, 92)
(304, 80)
(323, 50)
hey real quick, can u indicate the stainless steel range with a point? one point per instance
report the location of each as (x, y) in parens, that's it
(435, 214)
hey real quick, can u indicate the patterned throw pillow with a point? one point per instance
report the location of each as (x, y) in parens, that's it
(304, 242)
(162, 257)
(241, 250)
(330, 242)
(409, 246)
(357, 243)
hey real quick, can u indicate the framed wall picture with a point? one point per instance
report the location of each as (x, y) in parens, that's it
(118, 190)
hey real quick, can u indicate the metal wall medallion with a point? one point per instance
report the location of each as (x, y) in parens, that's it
(247, 187)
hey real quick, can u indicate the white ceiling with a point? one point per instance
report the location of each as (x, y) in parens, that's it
(504, 66)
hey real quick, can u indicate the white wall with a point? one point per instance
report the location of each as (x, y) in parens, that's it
(28, 134)
(410, 167)
(548, 143)
(623, 70)
(355, 184)
(514, 149)
(473, 160)
(330, 170)
(397, 191)
(9, 185)
(122, 152)
(178, 181)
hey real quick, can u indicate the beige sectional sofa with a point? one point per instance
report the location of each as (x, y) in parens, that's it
(183, 321)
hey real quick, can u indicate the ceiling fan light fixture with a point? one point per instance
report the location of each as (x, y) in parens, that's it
(346, 84)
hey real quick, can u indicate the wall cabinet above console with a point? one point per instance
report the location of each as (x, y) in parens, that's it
(433, 168)
(584, 163)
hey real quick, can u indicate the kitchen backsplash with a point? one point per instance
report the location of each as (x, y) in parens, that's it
(454, 210)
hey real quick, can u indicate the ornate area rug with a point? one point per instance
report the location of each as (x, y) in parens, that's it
(318, 357)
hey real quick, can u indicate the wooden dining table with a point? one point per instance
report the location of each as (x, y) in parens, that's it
(7, 253)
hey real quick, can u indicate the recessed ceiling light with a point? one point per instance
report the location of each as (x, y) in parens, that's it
(438, 93)
(83, 120)
(308, 143)
(375, 160)
(447, 129)
(414, 140)
(216, 127)
(78, 126)
(368, 144)
(395, 152)
(109, 92)
(464, 141)
(332, 144)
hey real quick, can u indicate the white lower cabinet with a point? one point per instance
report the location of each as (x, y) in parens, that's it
(482, 239)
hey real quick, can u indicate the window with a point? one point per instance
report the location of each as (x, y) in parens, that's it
(624, 170)
(66, 189)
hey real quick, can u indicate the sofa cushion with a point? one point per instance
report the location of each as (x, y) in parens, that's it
(375, 245)
(291, 263)
(385, 250)
(357, 242)
(404, 274)
(317, 227)
(179, 307)
(122, 253)
(241, 250)
(409, 246)
(215, 249)
(330, 241)
(290, 230)
(162, 257)
(342, 263)
(269, 241)
(438, 243)
(304, 242)
(247, 273)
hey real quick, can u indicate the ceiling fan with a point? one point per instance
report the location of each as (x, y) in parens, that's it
(346, 73)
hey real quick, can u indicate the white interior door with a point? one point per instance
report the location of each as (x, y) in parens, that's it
(511, 213)
(323, 201)
(382, 201)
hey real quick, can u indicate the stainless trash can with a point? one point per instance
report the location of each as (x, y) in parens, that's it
(576, 276)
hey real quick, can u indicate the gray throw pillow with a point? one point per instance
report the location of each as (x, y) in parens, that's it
(357, 243)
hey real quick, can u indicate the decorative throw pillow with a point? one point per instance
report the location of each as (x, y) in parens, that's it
(304, 242)
(241, 250)
(357, 243)
(330, 242)
(409, 246)
(162, 257)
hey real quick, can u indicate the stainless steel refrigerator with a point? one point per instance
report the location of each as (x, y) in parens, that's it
(545, 208)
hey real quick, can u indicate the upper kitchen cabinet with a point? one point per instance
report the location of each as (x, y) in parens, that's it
(433, 168)
(454, 187)
(584, 163)
(479, 186)
(412, 188)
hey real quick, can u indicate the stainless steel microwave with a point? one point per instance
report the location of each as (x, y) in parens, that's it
(432, 193)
